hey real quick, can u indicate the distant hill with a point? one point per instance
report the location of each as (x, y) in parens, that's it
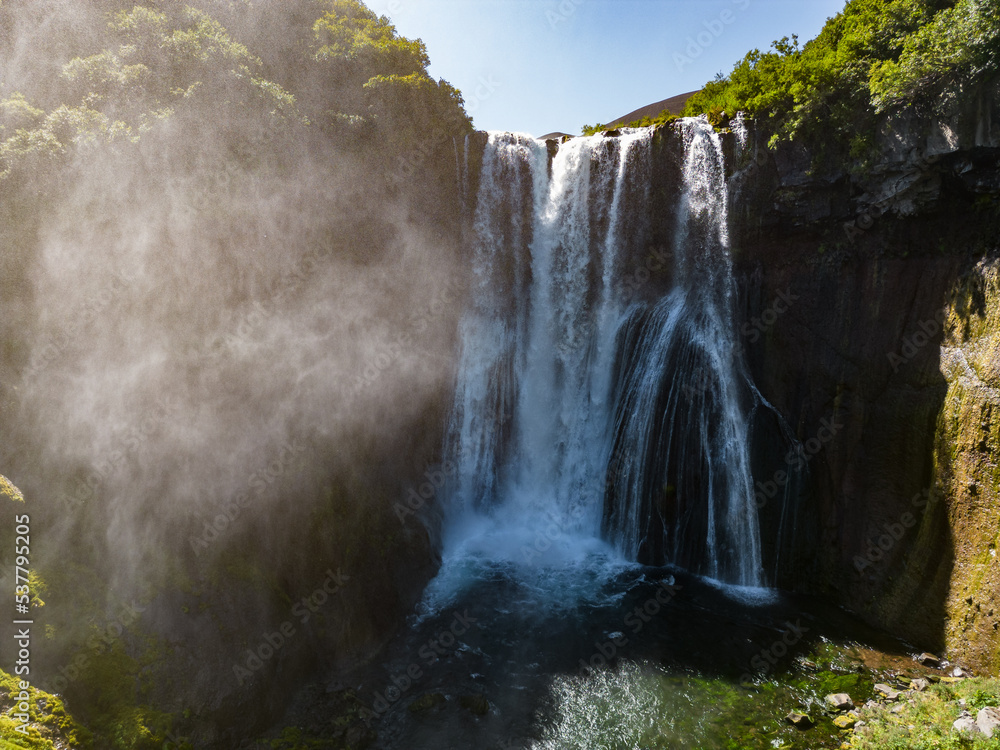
(674, 105)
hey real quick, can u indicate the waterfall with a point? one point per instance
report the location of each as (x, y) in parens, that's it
(685, 491)
(609, 421)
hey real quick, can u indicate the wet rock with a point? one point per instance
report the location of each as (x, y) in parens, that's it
(929, 660)
(844, 721)
(840, 701)
(477, 704)
(919, 684)
(426, 702)
(988, 721)
(613, 133)
(959, 672)
(800, 721)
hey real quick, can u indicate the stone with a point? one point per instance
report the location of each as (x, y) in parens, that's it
(988, 721)
(840, 701)
(887, 691)
(959, 672)
(844, 721)
(801, 721)
(966, 724)
(929, 660)
(919, 684)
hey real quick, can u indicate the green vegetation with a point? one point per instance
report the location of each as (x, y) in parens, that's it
(925, 720)
(50, 727)
(345, 71)
(663, 118)
(875, 56)
(8, 490)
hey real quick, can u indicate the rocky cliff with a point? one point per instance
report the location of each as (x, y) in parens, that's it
(871, 311)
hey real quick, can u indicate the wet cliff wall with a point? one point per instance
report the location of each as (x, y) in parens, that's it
(870, 312)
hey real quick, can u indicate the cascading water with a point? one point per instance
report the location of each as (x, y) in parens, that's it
(560, 378)
(684, 492)
(594, 438)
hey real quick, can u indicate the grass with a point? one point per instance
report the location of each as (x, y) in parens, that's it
(925, 720)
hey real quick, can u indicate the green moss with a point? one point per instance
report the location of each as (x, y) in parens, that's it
(857, 686)
(51, 725)
(8, 490)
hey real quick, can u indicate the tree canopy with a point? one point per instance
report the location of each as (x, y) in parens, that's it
(872, 57)
(166, 59)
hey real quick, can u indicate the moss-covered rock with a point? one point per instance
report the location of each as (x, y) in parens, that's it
(50, 727)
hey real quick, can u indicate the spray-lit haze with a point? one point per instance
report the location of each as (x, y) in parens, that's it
(227, 319)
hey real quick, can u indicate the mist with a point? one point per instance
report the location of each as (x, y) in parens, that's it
(228, 331)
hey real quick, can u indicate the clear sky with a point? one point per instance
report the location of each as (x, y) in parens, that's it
(539, 66)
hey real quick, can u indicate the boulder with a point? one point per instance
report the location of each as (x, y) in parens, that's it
(801, 721)
(988, 721)
(929, 660)
(886, 691)
(919, 684)
(844, 721)
(840, 701)
(965, 723)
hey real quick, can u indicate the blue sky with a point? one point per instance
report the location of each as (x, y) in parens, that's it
(543, 65)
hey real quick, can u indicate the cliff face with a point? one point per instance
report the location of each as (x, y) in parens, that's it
(871, 311)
